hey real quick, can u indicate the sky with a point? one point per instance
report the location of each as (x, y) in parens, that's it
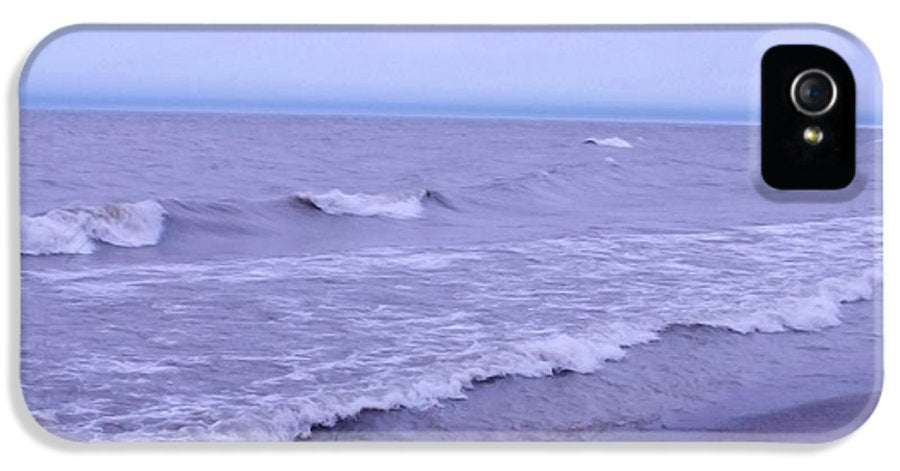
(705, 75)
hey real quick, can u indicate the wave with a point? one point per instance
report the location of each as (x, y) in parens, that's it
(820, 310)
(77, 231)
(298, 418)
(563, 353)
(401, 206)
(609, 142)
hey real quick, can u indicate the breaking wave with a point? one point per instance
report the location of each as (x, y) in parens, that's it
(400, 206)
(822, 309)
(77, 231)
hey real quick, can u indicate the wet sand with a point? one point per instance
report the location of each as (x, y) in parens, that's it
(695, 382)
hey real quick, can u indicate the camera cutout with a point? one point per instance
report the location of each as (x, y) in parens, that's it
(808, 119)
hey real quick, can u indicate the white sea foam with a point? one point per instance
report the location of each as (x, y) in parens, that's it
(336, 202)
(279, 417)
(288, 417)
(816, 311)
(576, 304)
(76, 231)
(609, 142)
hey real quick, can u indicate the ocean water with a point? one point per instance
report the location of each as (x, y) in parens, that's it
(200, 276)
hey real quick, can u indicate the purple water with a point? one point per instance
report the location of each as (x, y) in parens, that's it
(229, 276)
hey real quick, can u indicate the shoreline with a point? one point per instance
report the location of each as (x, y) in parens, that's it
(821, 421)
(695, 382)
(813, 417)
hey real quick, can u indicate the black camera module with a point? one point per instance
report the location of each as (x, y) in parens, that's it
(808, 119)
(813, 92)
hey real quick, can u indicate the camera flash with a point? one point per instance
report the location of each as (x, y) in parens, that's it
(813, 135)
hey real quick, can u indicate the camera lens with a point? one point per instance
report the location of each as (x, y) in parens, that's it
(813, 92)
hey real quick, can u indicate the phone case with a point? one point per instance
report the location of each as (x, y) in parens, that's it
(254, 233)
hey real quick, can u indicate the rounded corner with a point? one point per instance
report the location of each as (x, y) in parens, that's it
(845, 35)
(35, 427)
(767, 53)
(846, 429)
(41, 45)
(764, 183)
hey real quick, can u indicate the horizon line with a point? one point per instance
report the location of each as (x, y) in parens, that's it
(377, 112)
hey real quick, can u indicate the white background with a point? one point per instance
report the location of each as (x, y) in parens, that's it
(24, 445)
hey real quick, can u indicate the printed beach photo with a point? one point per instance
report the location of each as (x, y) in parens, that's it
(254, 234)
